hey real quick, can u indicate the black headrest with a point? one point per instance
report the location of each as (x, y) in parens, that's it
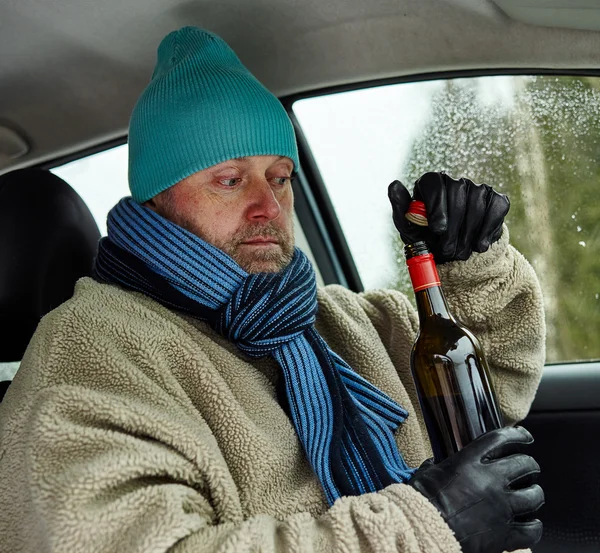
(48, 239)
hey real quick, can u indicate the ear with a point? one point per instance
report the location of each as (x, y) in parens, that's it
(151, 204)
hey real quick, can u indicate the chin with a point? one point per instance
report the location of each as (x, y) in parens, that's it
(263, 267)
(273, 264)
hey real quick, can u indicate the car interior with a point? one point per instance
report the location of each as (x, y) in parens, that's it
(506, 92)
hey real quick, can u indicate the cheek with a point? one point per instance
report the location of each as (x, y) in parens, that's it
(287, 207)
(219, 219)
(199, 206)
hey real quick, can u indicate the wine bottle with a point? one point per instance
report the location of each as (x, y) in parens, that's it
(447, 362)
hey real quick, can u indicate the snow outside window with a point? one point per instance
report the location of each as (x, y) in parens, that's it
(534, 138)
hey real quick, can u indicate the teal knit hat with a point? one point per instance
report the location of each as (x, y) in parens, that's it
(202, 107)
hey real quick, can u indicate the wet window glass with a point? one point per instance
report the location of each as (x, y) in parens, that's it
(534, 138)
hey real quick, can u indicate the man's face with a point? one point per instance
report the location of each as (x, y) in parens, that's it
(243, 206)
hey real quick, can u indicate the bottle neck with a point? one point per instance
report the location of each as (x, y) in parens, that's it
(432, 302)
(426, 282)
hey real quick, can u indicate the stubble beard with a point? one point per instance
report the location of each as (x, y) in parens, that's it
(253, 259)
(268, 260)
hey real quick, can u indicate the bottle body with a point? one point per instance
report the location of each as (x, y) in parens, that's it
(448, 365)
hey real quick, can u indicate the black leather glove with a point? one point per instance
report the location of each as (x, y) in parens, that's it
(463, 217)
(485, 492)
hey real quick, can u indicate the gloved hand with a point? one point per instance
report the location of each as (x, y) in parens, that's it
(463, 216)
(485, 492)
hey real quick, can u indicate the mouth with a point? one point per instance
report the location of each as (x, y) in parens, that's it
(261, 241)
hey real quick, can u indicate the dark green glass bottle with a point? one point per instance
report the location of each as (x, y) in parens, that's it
(448, 365)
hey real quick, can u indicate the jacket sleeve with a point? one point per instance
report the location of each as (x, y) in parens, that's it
(105, 477)
(496, 294)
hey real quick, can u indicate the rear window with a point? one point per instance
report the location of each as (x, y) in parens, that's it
(535, 138)
(100, 180)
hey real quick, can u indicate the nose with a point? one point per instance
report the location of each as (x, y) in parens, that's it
(263, 205)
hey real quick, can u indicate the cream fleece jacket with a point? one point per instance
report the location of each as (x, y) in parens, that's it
(132, 428)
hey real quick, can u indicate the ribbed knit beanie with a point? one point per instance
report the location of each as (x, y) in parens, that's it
(202, 107)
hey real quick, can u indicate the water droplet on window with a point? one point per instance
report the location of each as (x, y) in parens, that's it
(597, 296)
(573, 216)
(578, 228)
(582, 243)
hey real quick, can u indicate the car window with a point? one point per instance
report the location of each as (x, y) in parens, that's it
(101, 181)
(535, 138)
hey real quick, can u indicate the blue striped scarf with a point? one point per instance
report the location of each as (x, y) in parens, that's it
(345, 424)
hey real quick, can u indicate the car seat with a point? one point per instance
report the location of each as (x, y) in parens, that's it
(48, 240)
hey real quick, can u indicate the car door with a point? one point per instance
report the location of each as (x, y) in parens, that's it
(565, 421)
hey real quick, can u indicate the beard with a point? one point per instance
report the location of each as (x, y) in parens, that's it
(252, 260)
(271, 260)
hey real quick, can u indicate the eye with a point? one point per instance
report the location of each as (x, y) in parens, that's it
(230, 182)
(281, 181)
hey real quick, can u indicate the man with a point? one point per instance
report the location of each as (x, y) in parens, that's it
(186, 400)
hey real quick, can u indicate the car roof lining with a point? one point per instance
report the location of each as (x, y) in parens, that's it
(70, 72)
